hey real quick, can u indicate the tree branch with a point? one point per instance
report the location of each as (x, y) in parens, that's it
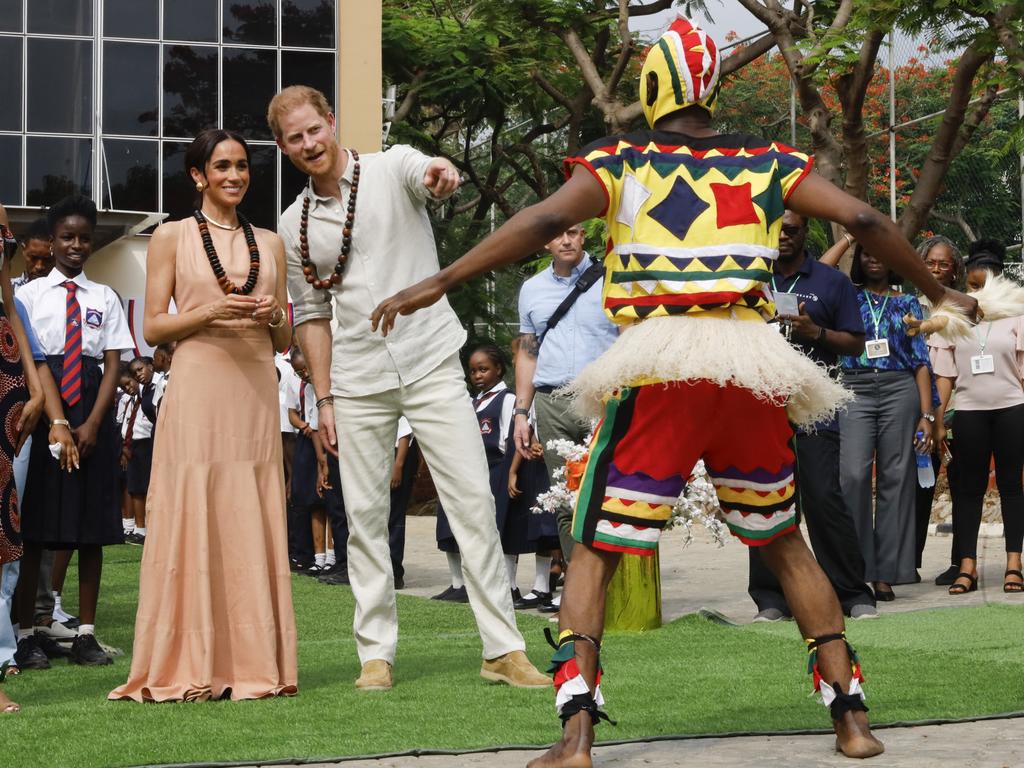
(946, 139)
(747, 54)
(409, 100)
(626, 52)
(587, 68)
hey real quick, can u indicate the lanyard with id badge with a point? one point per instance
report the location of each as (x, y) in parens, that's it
(877, 348)
(982, 363)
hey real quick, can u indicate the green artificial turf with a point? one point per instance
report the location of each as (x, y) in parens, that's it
(690, 677)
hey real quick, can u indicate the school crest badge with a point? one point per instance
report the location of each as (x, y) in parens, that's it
(93, 318)
(486, 427)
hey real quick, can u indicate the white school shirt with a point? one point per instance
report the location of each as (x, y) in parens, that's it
(143, 427)
(392, 248)
(289, 381)
(159, 388)
(129, 406)
(104, 325)
(404, 430)
(507, 409)
(121, 411)
(310, 414)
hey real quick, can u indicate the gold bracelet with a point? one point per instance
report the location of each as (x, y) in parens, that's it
(849, 238)
(60, 423)
(280, 321)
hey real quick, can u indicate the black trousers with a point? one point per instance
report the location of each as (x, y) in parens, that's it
(829, 526)
(400, 497)
(979, 436)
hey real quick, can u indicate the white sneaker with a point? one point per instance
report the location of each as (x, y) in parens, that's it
(60, 615)
(56, 631)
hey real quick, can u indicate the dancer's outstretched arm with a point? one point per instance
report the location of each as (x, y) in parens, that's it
(817, 198)
(579, 199)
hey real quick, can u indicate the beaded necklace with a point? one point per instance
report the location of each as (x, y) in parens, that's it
(308, 267)
(223, 280)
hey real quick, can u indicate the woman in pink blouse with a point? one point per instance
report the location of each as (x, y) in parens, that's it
(988, 370)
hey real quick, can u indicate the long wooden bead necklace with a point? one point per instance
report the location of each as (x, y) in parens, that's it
(308, 267)
(226, 284)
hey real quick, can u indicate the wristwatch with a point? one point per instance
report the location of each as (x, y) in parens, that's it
(928, 417)
(521, 412)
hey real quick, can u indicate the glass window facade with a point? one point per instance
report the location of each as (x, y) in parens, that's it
(102, 97)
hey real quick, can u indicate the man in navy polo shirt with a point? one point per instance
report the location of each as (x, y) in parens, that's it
(829, 325)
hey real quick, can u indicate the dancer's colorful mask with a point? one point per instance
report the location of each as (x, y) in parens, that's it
(681, 70)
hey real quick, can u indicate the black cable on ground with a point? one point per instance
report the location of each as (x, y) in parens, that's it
(535, 747)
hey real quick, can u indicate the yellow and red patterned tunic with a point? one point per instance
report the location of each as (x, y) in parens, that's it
(693, 223)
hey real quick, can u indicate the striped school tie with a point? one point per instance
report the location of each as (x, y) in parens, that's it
(71, 379)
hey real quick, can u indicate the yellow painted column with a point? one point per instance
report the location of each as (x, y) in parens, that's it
(360, 75)
(633, 599)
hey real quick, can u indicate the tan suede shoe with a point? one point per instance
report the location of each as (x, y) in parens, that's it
(515, 670)
(376, 676)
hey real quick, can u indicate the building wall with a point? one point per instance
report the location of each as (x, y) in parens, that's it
(122, 264)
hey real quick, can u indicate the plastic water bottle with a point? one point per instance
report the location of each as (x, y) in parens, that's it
(925, 472)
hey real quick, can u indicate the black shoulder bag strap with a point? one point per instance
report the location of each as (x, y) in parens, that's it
(592, 274)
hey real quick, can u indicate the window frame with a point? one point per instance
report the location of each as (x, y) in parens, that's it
(99, 172)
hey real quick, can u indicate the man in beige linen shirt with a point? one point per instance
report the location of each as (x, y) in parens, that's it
(364, 382)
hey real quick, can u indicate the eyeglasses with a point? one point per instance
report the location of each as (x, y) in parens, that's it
(791, 231)
(932, 264)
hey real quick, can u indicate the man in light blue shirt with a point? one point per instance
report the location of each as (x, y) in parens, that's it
(580, 337)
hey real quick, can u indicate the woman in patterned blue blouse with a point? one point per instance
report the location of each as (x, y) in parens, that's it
(890, 418)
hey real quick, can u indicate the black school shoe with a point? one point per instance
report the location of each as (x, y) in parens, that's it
(29, 655)
(51, 647)
(87, 652)
(336, 574)
(534, 600)
(453, 595)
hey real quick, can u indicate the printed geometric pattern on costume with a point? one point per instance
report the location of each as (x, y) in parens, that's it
(694, 226)
(647, 444)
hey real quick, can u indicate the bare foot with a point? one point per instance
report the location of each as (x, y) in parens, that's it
(573, 751)
(854, 738)
(6, 705)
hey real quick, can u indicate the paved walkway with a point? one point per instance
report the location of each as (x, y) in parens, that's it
(702, 575)
(986, 744)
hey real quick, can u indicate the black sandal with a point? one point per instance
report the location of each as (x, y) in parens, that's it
(1013, 587)
(960, 589)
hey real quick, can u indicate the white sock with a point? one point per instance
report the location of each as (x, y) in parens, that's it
(511, 561)
(140, 531)
(56, 602)
(330, 558)
(23, 633)
(87, 629)
(542, 581)
(455, 568)
(319, 558)
(128, 524)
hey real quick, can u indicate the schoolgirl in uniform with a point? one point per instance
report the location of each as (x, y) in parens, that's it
(494, 404)
(126, 401)
(527, 479)
(82, 330)
(138, 444)
(316, 484)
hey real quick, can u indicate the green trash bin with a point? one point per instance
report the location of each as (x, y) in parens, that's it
(633, 600)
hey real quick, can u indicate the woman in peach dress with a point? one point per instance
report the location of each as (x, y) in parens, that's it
(215, 615)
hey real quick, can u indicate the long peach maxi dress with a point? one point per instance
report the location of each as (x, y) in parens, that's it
(215, 615)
